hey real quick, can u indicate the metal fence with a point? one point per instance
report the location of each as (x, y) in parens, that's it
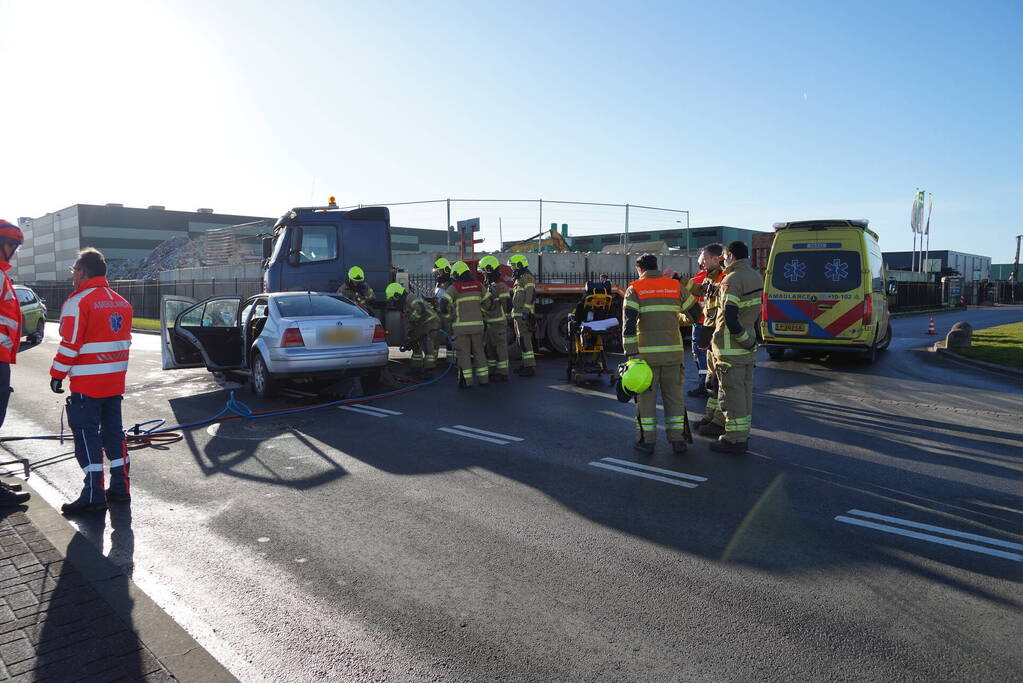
(145, 295)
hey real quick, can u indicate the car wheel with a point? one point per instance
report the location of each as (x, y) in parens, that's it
(870, 355)
(775, 353)
(40, 332)
(263, 383)
(887, 339)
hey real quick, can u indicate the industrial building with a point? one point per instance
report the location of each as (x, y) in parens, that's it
(418, 240)
(971, 266)
(678, 238)
(120, 232)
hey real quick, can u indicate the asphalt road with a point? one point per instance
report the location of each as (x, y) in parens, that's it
(875, 531)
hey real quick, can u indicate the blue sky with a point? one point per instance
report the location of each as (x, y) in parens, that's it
(742, 113)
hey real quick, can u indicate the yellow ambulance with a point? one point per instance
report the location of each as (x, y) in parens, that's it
(825, 289)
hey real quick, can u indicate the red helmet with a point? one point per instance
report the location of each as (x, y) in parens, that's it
(10, 233)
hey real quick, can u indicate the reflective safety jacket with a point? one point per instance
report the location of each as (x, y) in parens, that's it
(463, 301)
(709, 294)
(421, 318)
(736, 315)
(95, 334)
(524, 293)
(499, 302)
(10, 318)
(361, 293)
(653, 308)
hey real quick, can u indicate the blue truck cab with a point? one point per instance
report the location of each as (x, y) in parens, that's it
(313, 247)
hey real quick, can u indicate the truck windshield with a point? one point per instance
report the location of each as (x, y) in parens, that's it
(816, 271)
(304, 305)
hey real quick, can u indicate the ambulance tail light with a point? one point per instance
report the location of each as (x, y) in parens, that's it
(763, 305)
(292, 338)
(868, 309)
(378, 334)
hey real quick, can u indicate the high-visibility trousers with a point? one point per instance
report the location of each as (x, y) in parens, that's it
(669, 380)
(496, 343)
(440, 340)
(714, 413)
(424, 352)
(525, 337)
(96, 426)
(735, 394)
(472, 361)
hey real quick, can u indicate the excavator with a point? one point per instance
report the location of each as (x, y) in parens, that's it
(554, 241)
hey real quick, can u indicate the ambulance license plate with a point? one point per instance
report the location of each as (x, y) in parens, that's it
(338, 336)
(797, 328)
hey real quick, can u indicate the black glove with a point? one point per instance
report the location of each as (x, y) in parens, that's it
(55, 386)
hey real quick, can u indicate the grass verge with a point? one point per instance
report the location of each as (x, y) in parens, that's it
(151, 324)
(1002, 345)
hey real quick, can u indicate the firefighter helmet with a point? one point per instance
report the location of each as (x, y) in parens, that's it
(518, 261)
(634, 377)
(355, 274)
(442, 264)
(394, 290)
(459, 268)
(489, 263)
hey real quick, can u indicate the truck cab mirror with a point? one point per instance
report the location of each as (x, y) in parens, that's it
(294, 254)
(268, 247)
(893, 287)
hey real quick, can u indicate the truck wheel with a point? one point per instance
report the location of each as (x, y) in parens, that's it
(263, 383)
(556, 330)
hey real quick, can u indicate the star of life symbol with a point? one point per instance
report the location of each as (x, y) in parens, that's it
(836, 270)
(795, 270)
(116, 321)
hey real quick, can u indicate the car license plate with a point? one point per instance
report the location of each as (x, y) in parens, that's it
(796, 328)
(338, 336)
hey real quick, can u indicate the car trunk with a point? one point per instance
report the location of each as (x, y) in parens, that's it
(333, 332)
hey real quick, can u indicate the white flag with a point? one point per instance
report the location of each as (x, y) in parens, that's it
(916, 217)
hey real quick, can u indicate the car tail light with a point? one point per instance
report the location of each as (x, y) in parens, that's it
(868, 309)
(292, 337)
(378, 334)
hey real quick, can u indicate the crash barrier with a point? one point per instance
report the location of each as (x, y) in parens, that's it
(145, 295)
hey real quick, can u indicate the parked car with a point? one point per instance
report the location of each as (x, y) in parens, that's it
(271, 338)
(33, 314)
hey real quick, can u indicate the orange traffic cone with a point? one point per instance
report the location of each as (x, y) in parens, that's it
(930, 328)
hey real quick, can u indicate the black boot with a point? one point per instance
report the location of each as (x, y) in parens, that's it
(710, 430)
(730, 447)
(526, 371)
(10, 487)
(113, 497)
(679, 447)
(82, 506)
(644, 447)
(10, 497)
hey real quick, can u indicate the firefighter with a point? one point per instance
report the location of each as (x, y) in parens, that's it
(733, 348)
(357, 289)
(442, 273)
(524, 312)
(463, 302)
(496, 318)
(652, 309)
(422, 327)
(95, 334)
(702, 286)
(11, 238)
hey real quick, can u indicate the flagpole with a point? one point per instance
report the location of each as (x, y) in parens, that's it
(927, 230)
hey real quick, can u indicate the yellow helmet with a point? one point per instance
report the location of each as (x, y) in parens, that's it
(459, 268)
(394, 290)
(518, 261)
(489, 263)
(442, 264)
(634, 377)
(355, 274)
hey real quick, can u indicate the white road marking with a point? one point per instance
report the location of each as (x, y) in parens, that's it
(470, 435)
(927, 537)
(363, 410)
(648, 468)
(938, 529)
(496, 435)
(645, 475)
(374, 408)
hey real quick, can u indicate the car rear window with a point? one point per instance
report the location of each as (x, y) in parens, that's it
(302, 305)
(816, 271)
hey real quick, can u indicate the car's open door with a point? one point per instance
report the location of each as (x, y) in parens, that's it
(175, 351)
(208, 333)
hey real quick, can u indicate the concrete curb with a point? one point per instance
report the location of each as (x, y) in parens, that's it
(179, 653)
(979, 364)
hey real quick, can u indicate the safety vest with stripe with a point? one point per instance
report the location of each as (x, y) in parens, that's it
(524, 293)
(659, 302)
(500, 297)
(10, 318)
(465, 300)
(742, 287)
(421, 318)
(95, 335)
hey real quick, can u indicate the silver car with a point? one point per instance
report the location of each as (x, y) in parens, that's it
(304, 336)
